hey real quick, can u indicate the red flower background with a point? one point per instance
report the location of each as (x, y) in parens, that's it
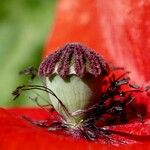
(119, 30)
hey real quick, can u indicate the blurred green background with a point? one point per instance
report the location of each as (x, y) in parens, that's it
(24, 26)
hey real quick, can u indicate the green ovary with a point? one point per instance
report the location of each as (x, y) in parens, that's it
(75, 93)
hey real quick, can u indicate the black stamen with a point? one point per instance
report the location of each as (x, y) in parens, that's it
(31, 71)
(19, 89)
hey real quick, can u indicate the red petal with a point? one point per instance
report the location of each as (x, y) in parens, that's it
(16, 133)
(127, 35)
(77, 21)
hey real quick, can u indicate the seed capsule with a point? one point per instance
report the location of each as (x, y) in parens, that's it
(74, 73)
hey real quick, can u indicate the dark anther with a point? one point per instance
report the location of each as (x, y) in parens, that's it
(147, 88)
(134, 86)
(16, 93)
(31, 71)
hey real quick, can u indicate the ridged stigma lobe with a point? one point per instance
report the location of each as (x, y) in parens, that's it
(76, 59)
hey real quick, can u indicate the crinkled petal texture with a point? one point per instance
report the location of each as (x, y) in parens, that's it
(17, 133)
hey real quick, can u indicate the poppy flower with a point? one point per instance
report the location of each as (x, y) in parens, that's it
(117, 30)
